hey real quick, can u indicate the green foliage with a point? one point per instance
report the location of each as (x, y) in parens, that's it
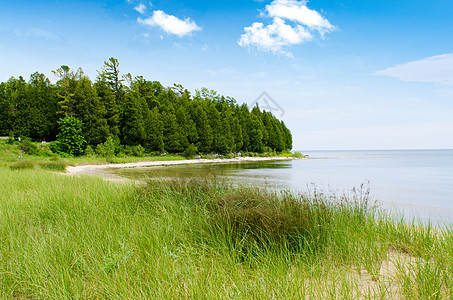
(91, 112)
(106, 149)
(140, 113)
(89, 151)
(27, 147)
(70, 139)
(298, 155)
(138, 151)
(191, 151)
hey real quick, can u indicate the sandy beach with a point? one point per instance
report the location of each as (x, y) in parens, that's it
(102, 170)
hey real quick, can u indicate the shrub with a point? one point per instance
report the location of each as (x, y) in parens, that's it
(106, 149)
(22, 165)
(138, 151)
(89, 151)
(70, 137)
(28, 147)
(298, 155)
(191, 151)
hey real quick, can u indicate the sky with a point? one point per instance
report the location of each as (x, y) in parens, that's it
(351, 74)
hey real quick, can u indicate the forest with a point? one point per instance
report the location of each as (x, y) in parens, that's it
(76, 114)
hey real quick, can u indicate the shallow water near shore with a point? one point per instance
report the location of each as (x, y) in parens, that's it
(417, 183)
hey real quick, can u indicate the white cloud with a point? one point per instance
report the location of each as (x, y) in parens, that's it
(274, 37)
(141, 8)
(298, 11)
(170, 24)
(434, 69)
(303, 23)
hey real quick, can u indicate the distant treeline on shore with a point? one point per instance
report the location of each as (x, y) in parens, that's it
(133, 111)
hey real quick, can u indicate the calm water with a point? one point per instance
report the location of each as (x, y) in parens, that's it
(415, 182)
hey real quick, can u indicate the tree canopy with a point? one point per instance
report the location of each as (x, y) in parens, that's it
(133, 111)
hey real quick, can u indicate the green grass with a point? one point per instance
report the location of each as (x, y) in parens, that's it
(64, 237)
(10, 156)
(22, 165)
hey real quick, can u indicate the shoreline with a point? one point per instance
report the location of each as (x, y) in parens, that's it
(102, 170)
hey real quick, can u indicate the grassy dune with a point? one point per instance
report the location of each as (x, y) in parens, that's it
(64, 237)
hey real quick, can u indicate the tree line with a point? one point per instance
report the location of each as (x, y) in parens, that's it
(133, 111)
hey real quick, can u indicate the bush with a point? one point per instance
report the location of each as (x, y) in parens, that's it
(70, 138)
(298, 155)
(191, 151)
(138, 151)
(22, 165)
(106, 149)
(28, 147)
(89, 151)
(55, 147)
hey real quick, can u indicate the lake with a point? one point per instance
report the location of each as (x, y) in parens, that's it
(413, 182)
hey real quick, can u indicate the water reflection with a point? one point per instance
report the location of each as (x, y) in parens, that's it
(270, 174)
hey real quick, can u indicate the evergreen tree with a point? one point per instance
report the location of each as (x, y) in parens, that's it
(108, 99)
(215, 124)
(172, 137)
(186, 127)
(91, 111)
(236, 131)
(225, 138)
(5, 112)
(140, 113)
(40, 112)
(203, 129)
(66, 86)
(154, 131)
(132, 123)
(111, 72)
(70, 137)
(256, 134)
(243, 117)
(15, 103)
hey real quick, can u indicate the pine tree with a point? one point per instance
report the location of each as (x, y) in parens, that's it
(5, 112)
(15, 98)
(108, 99)
(154, 140)
(66, 86)
(236, 130)
(203, 129)
(111, 72)
(133, 127)
(91, 111)
(41, 108)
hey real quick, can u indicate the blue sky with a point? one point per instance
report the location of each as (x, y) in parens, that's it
(348, 74)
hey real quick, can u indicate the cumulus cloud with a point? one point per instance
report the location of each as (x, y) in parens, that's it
(141, 8)
(274, 37)
(170, 24)
(434, 69)
(292, 23)
(297, 11)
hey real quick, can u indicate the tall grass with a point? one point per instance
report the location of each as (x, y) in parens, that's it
(66, 237)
